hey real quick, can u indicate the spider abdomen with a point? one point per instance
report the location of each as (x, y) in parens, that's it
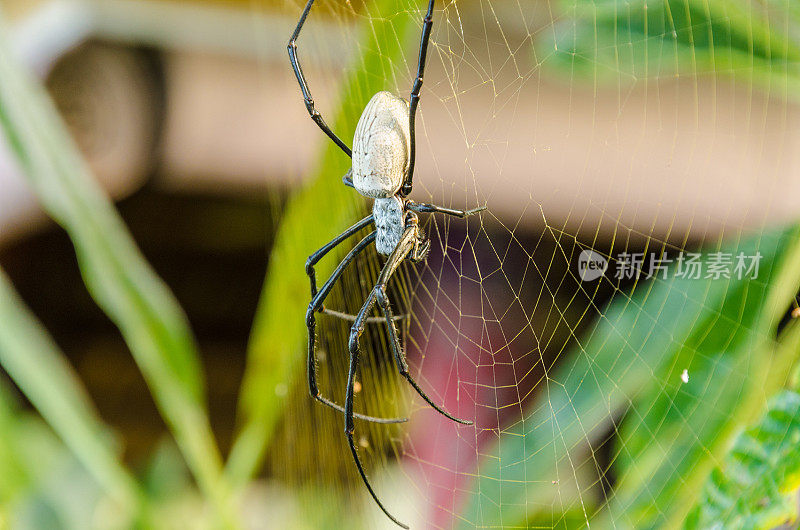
(381, 146)
(389, 223)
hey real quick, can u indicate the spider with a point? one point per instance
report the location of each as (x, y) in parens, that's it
(383, 158)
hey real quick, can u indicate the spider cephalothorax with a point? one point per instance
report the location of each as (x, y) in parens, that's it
(383, 157)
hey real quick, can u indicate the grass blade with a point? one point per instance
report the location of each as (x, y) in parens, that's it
(736, 366)
(40, 370)
(621, 42)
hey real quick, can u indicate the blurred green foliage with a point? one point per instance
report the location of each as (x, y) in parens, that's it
(679, 455)
(755, 486)
(39, 369)
(623, 41)
(115, 273)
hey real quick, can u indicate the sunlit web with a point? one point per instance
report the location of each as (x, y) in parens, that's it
(577, 133)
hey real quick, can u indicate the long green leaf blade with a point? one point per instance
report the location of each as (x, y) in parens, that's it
(630, 41)
(732, 360)
(755, 485)
(39, 368)
(115, 273)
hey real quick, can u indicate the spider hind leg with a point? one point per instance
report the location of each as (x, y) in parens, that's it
(347, 179)
(349, 427)
(400, 357)
(413, 101)
(410, 246)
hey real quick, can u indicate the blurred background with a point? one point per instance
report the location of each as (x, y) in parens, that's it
(574, 126)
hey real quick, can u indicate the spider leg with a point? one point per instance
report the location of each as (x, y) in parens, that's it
(400, 356)
(348, 415)
(298, 71)
(432, 208)
(407, 244)
(311, 322)
(314, 258)
(427, 24)
(404, 246)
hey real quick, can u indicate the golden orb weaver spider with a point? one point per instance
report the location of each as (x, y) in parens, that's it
(383, 157)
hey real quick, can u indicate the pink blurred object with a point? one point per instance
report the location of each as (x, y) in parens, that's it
(465, 358)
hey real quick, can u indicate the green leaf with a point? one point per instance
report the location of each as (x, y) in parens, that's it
(672, 436)
(16, 476)
(624, 42)
(631, 349)
(40, 370)
(755, 485)
(115, 273)
(42, 483)
(313, 216)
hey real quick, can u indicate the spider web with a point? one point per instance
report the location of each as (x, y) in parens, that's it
(581, 125)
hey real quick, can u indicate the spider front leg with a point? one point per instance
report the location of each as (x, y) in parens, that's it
(408, 243)
(413, 101)
(311, 321)
(404, 246)
(410, 246)
(349, 426)
(298, 72)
